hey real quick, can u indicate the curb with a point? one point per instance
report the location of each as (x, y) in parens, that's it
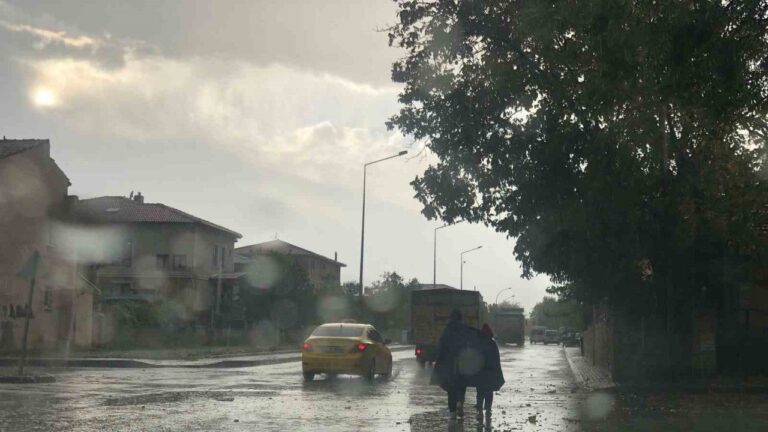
(602, 383)
(27, 379)
(689, 387)
(148, 364)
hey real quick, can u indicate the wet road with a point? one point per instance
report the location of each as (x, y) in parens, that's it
(539, 395)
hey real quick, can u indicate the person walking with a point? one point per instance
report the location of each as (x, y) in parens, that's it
(490, 378)
(446, 373)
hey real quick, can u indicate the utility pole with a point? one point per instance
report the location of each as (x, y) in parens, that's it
(29, 271)
(362, 224)
(461, 283)
(434, 252)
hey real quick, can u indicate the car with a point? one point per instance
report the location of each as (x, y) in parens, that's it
(537, 335)
(570, 339)
(551, 336)
(346, 348)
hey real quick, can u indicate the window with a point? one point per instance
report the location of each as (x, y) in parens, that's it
(126, 255)
(48, 298)
(120, 289)
(179, 262)
(338, 331)
(215, 255)
(120, 254)
(374, 336)
(223, 254)
(162, 261)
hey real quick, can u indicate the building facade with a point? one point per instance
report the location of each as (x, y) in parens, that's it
(150, 252)
(321, 271)
(34, 211)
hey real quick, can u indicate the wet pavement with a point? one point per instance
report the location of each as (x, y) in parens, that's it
(539, 395)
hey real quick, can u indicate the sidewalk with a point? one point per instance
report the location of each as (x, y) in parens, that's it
(594, 378)
(236, 361)
(587, 375)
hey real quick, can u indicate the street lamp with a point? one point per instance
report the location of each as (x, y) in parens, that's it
(461, 283)
(499, 293)
(434, 252)
(362, 229)
(508, 298)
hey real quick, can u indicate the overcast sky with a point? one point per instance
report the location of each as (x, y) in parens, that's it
(256, 115)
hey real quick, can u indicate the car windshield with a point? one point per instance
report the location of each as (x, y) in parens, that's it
(205, 203)
(338, 331)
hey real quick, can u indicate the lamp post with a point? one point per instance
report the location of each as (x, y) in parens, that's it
(461, 283)
(434, 252)
(362, 229)
(499, 293)
(508, 298)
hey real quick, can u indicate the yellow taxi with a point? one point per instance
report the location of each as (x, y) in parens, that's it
(346, 348)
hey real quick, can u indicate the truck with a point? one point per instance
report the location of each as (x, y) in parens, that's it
(509, 325)
(430, 310)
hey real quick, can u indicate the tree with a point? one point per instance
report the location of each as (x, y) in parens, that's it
(617, 141)
(388, 301)
(553, 314)
(278, 289)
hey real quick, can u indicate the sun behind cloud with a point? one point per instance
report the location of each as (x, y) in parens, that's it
(44, 97)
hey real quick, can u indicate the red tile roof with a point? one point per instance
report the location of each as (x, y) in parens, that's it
(118, 209)
(9, 147)
(280, 247)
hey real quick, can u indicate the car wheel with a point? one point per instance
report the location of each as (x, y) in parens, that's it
(309, 376)
(388, 374)
(370, 374)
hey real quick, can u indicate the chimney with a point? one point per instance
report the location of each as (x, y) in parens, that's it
(139, 198)
(335, 256)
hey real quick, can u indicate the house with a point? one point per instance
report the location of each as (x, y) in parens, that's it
(34, 207)
(321, 271)
(151, 252)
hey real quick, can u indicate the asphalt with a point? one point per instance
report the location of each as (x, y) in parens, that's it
(238, 361)
(538, 396)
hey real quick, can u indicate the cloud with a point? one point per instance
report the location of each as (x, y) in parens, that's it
(310, 122)
(36, 37)
(47, 37)
(271, 114)
(338, 37)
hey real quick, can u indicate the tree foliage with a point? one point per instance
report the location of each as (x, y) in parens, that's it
(618, 141)
(388, 302)
(553, 314)
(289, 300)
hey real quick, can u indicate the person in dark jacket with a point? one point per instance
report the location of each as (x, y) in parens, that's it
(446, 373)
(490, 378)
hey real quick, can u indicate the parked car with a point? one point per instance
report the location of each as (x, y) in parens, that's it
(346, 348)
(551, 336)
(570, 339)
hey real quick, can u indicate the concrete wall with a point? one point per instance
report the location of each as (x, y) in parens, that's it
(639, 348)
(321, 273)
(37, 189)
(187, 286)
(598, 339)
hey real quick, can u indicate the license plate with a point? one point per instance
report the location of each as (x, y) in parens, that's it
(331, 349)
